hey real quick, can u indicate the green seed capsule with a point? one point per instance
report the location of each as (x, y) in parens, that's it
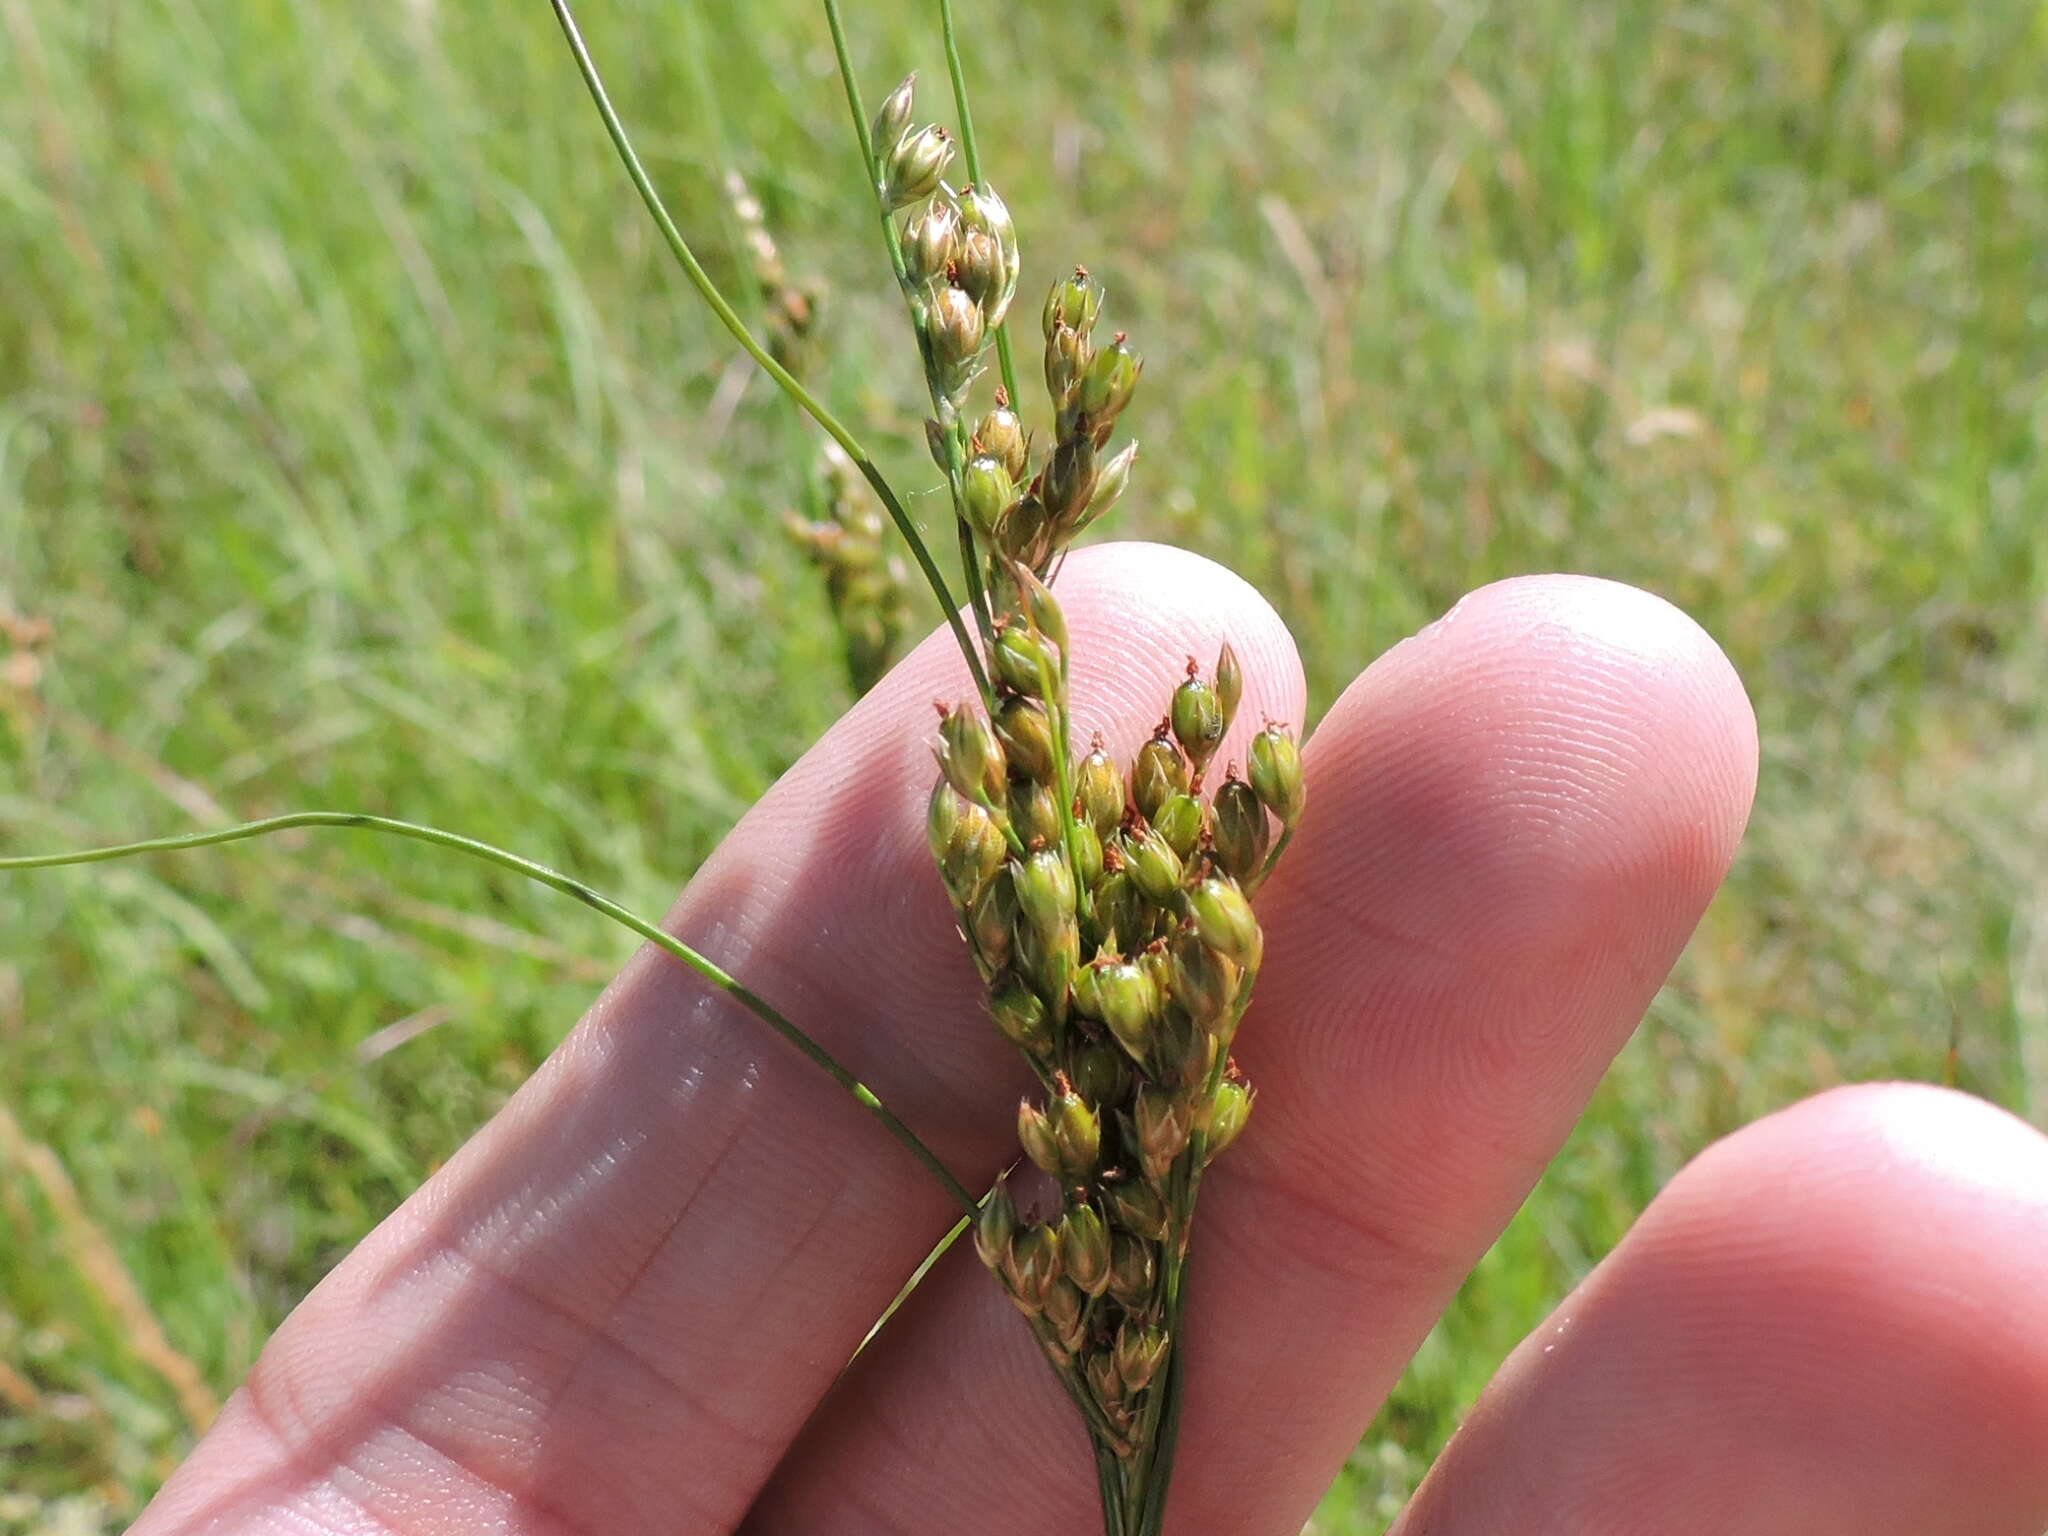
(1103, 1382)
(986, 492)
(1087, 992)
(1179, 821)
(1035, 1136)
(1121, 915)
(1229, 683)
(1040, 607)
(1276, 774)
(932, 243)
(1224, 919)
(1110, 481)
(1138, 1209)
(972, 856)
(1049, 960)
(1100, 1073)
(1084, 1249)
(1132, 1272)
(1074, 302)
(992, 924)
(1241, 831)
(1197, 720)
(1099, 792)
(1034, 1265)
(1163, 1120)
(1045, 889)
(893, 117)
(1129, 1001)
(1139, 1352)
(1154, 868)
(1204, 983)
(1001, 436)
(996, 1226)
(971, 757)
(1064, 1304)
(978, 267)
(1086, 849)
(984, 212)
(1025, 729)
(1022, 1018)
(915, 166)
(955, 325)
(941, 816)
(1024, 661)
(1158, 771)
(1186, 1050)
(1110, 381)
(1077, 1134)
(1068, 353)
(1069, 480)
(1229, 1108)
(1035, 813)
(1021, 534)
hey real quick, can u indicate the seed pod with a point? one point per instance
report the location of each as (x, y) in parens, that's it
(1021, 1016)
(1179, 821)
(984, 212)
(1040, 607)
(1033, 1268)
(996, 1225)
(1138, 1209)
(1045, 890)
(1077, 1136)
(1035, 813)
(1157, 771)
(1001, 436)
(1025, 729)
(1224, 919)
(972, 856)
(954, 323)
(932, 242)
(939, 445)
(1084, 1249)
(986, 492)
(1276, 774)
(992, 924)
(1154, 867)
(1186, 1051)
(1064, 1304)
(1229, 1108)
(1197, 720)
(892, 118)
(1035, 1136)
(1073, 302)
(1069, 480)
(1229, 683)
(1086, 849)
(1048, 961)
(1022, 532)
(1099, 792)
(1204, 983)
(978, 267)
(1024, 661)
(1132, 1272)
(1154, 959)
(1110, 481)
(1068, 353)
(1103, 1381)
(1100, 1073)
(1139, 1352)
(971, 757)
(915, 165)
(1120, 911)
(1241, 832)
(1111, 379)
(1129, 1003)
(941, 816)
(1162, 1122)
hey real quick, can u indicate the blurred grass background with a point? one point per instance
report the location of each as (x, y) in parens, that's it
(360, 448)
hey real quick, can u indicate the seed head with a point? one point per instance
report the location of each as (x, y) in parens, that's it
(1045, 890)
(914, 166)
(978, 267)
(1276, 774)
(1035, 813)
(1068, 353)
(1077, 1136)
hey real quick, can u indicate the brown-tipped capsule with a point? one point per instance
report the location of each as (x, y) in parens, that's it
(1084, 1249)
(1132, 1273)
(1022, 533)
(1103, 1382)
(1064, 1304)
(1099, 792)
(1045, 889)
(1025, 661)
(891, 119)
(984, 212)
(1033, 1268)
(1138, 1209)
(1001, 436)
(1035, 813)
(1110, 381)
(1086, 849)
(1224, 919)
(1035, 1136)
(1129, 1002)
(1022, 1018)
(1179, 820)
(955, 326)
(972, 855)
(1229, 682)
(995, 1227)
(1276, 774)
(1203, 982)
(1110, 480)
(932, 242)
(1241, 831)
(1100, 1073)
(1197, 720)
(971, 757)
(913, 167)
(1139, 1352)
(1077, 1134)
(986, 492)
(1074, 302)
(1162, 1120)
(1229, 1108)
(978, 267)
(1153, 866)
(1156, 772)
(1025, 729)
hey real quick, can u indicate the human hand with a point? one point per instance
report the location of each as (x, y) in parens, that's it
(623, 1306)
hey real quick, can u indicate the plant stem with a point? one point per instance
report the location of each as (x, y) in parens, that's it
(972, 151)
(568, 886)
(708, 290)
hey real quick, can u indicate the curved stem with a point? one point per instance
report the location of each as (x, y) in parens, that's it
(972, 151)
(568, 886)
(721, 307)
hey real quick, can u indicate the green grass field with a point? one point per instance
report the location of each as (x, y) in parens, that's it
(359, 447)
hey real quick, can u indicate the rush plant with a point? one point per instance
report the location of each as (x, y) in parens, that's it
(1105, 904)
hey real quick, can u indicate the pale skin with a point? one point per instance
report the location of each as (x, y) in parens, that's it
(625, 1306)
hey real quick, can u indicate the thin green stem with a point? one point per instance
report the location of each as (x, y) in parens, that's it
(557, 881)
(972, 150)
(729, 317)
